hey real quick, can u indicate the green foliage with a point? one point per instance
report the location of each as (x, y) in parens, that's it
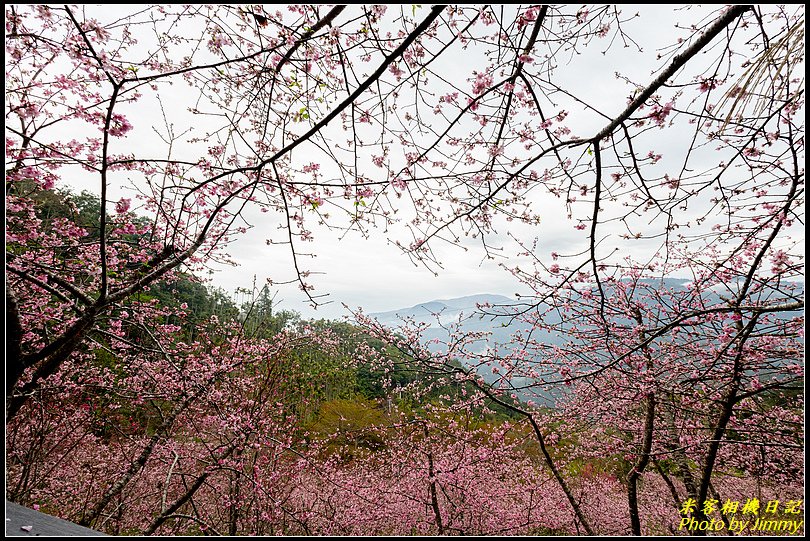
(82, 208)
(351, 427)
(201, 302)
(314, 376)
(260, 319)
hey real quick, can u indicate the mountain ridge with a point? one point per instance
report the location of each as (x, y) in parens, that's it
(443, 307)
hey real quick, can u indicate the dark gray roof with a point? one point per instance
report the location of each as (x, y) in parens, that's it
(19, 518)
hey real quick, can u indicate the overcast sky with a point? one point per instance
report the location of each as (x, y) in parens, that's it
(375, 274)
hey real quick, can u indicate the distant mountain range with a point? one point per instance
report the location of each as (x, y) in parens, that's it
(464, 315)
(465, 311)
(462, 312)
(447, 309)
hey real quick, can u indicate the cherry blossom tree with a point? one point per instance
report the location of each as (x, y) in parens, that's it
(662, 379)
(127, 444)
(362, 118)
